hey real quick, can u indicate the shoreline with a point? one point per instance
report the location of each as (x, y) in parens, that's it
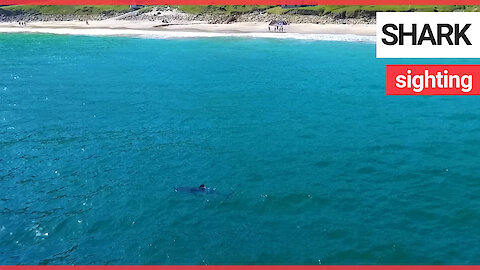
(196, 29)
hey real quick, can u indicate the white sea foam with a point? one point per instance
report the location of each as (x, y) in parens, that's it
(151, 34)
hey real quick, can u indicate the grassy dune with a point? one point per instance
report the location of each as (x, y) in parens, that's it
(238, 9)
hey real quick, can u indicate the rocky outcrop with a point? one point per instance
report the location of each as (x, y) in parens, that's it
(318, 19)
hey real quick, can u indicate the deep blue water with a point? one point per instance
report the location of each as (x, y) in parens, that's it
(324, 167)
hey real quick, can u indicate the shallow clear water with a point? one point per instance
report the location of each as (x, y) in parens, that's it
(324, 167)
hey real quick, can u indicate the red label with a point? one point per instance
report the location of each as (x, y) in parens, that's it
(433, 80)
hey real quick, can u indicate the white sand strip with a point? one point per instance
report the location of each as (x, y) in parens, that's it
(149, 29)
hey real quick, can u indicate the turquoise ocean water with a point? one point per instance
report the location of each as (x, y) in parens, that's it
(311, 161)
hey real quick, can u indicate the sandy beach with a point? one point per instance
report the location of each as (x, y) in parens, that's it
(155, 29)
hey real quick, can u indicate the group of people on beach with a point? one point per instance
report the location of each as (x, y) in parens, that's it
(22, 23)
(277, 28)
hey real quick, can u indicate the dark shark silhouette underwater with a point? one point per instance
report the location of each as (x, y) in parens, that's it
(202, 189)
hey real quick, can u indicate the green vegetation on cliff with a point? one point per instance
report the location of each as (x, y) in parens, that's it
(319, 10)
(66, 10)
(223, 10)
(237, 9)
